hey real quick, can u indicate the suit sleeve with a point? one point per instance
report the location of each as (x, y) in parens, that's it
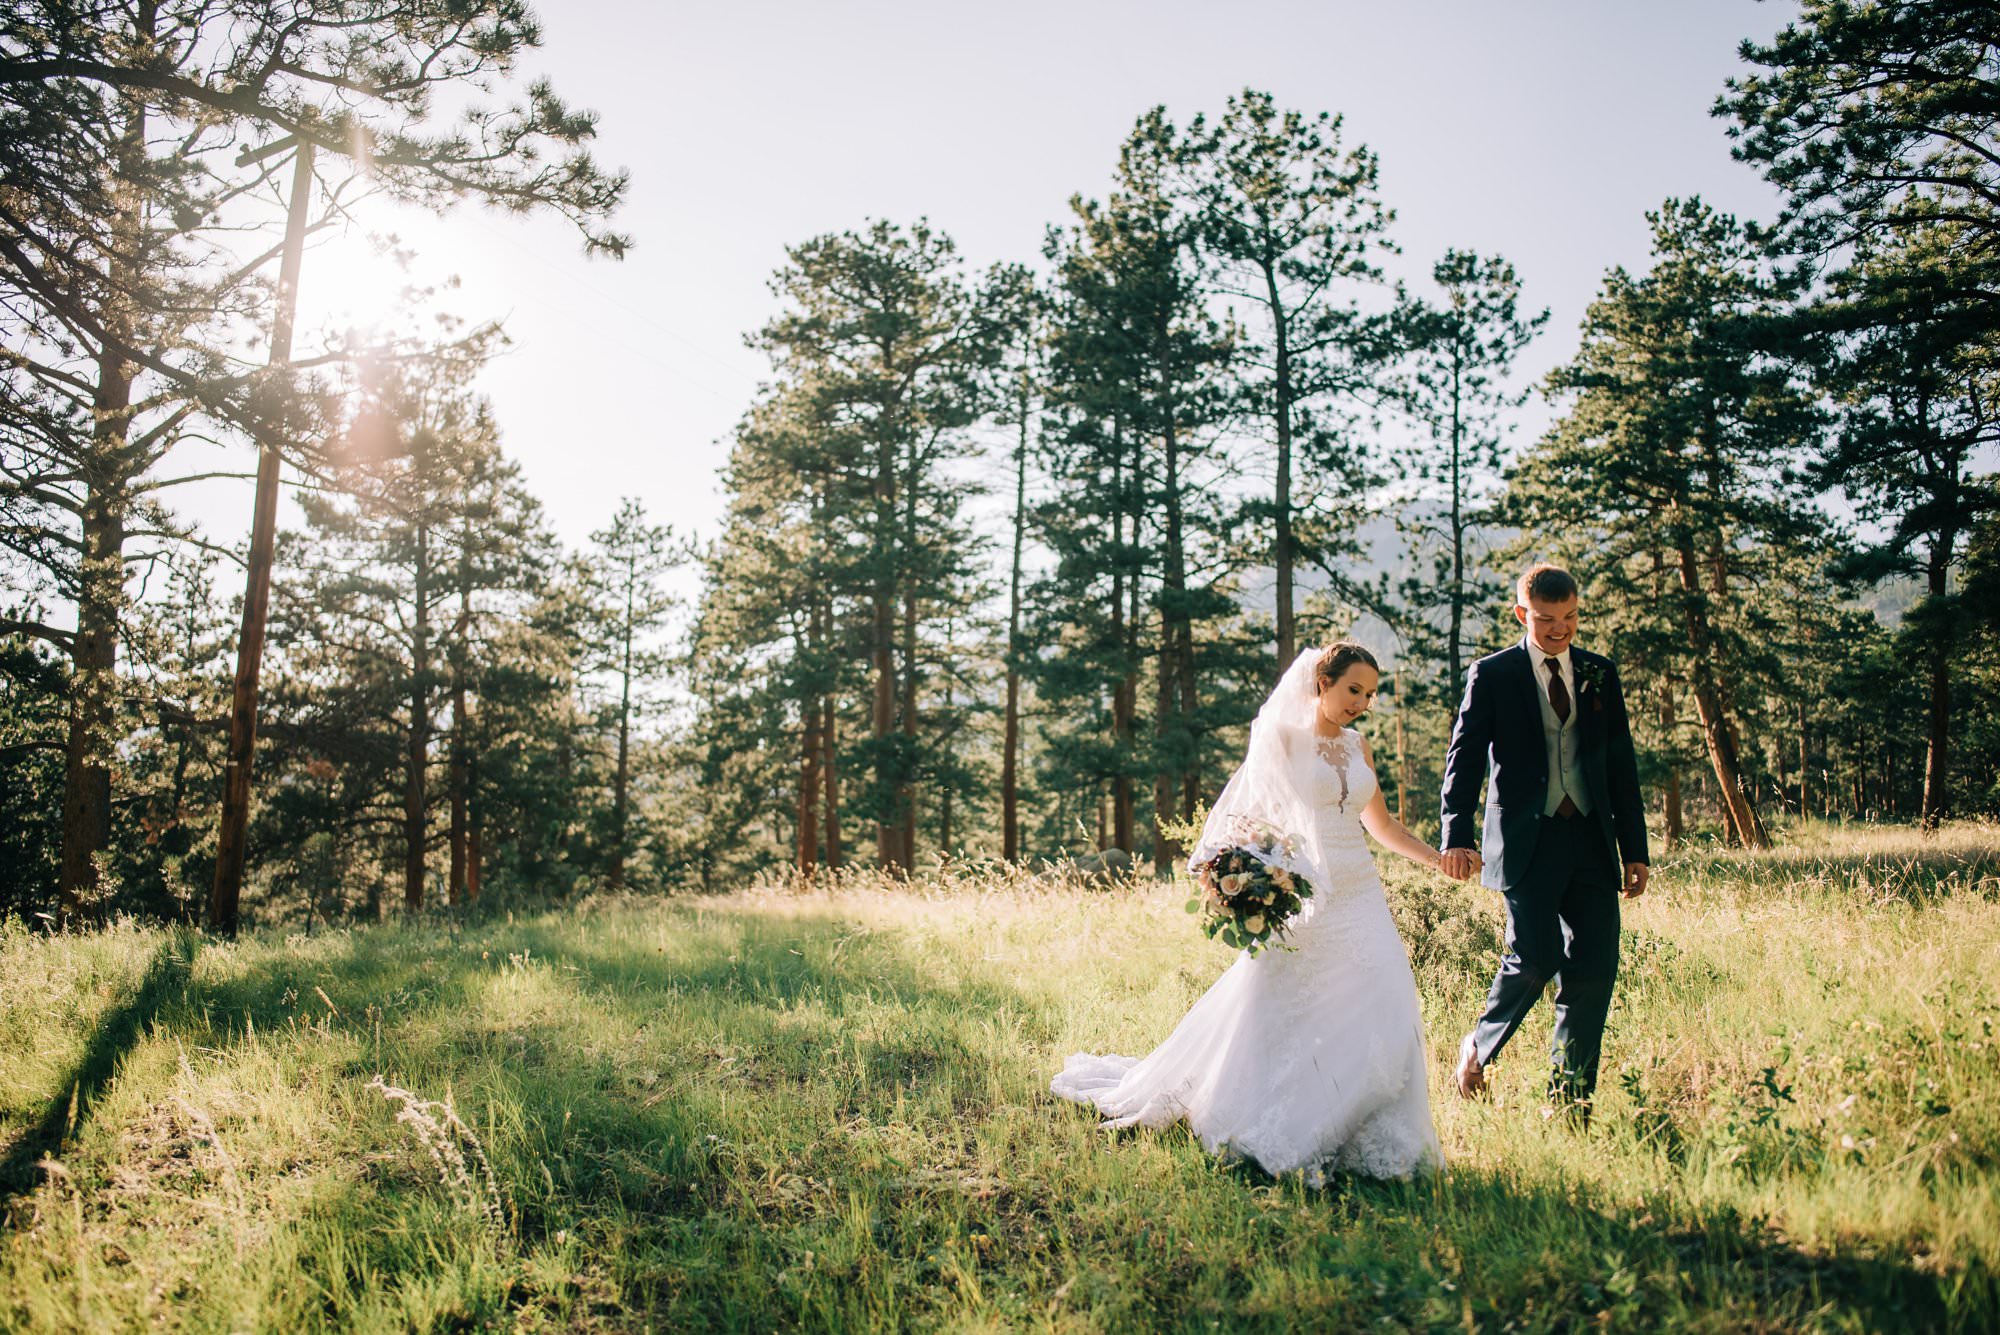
(1628, 805)
(1465, 763)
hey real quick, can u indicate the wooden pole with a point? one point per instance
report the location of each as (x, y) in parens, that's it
(229, 853)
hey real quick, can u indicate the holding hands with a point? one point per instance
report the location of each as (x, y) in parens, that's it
(1460, 863)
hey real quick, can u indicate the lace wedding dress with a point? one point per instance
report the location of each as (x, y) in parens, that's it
(1311, 1058)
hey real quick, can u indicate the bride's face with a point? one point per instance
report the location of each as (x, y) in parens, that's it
(1347, 697)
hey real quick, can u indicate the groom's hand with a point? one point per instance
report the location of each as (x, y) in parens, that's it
(1635, 879)
(1458, 863)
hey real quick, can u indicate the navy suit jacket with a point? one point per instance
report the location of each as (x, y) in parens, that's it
(1499, 726)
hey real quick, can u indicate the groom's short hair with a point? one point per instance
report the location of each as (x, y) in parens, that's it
(1545, 583)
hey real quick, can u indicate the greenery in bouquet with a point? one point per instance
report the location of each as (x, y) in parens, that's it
(1246, 899)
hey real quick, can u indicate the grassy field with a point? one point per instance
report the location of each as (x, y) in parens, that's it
(828, 1110)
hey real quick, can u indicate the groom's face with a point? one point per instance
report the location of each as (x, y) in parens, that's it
(1551, 626)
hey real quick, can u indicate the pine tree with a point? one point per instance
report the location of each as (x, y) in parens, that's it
(630, 559)
(1881, 123)
(1293, 223)
(1019, 400)
(1461, 349)
(127, 198)
(892, 345)
(1904, 353)
(399, 563)
(1137, 365)
(786, 595)
(1668, 465)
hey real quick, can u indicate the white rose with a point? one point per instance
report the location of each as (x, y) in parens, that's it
(1254, 923)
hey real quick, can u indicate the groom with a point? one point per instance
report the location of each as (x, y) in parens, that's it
(1563, 812)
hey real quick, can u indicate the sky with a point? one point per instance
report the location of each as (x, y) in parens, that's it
(1541, 131)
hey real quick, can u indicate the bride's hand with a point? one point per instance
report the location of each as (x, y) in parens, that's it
(1459, 863)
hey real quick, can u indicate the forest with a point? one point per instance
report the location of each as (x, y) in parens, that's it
(1010, 553)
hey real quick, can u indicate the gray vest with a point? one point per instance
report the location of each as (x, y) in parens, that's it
(1563, 740)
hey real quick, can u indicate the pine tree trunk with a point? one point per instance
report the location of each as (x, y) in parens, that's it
(1134, 621)
(86, 810)
(809, 785)
(830, 720)
(1281, 544)
(461, 758)
(1710, 706)
(1010, 825)
(1176, 686)
(906, 795)
(419, 735)
(1124, 691)
(1163, 781)
(475, 825)
(1804, 761)
(1453, 654)
(621, 783)
(945, 792)
(1676, 821)
(86, 823)
(882, 629)
(1937, 742)
(461, 825)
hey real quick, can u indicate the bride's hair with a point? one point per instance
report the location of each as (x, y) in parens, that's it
(1336, 659)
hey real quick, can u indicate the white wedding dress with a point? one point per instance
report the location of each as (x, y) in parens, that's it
(1311, 1058)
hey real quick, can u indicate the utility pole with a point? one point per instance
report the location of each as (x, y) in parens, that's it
(229, 853)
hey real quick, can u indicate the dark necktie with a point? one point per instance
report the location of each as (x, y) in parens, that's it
(1559, 701)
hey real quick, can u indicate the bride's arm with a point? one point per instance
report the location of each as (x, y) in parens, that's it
(1389, 831)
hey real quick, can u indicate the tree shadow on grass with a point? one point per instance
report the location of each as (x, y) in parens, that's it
(1916, 876)
(1549, 1257)
(1562, 1257)
(116, 1034)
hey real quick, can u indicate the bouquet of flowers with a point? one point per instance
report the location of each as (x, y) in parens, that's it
(1247, 897)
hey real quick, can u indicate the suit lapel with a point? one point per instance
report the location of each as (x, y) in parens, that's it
(1534, 684)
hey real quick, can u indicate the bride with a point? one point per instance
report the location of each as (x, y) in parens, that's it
(1311, 1057)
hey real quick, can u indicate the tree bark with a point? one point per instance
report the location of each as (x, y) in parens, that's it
(1676, 821)
(810, 747)
(906, 796)
(1281, 500)
(1938, 739)
(1010, 824)
(945, 789)
(461, 762)
(621, 784)
(1804, 771)
(419, 736)
(232, 828)
(1176, 676)
(1454, 653)
(86, 823)
(1711, 707)
(1125, 691)
(475, 825)
(830, 720)
(882, 630)
(86, 810)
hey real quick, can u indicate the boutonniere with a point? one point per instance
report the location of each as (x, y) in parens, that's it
(1589, 674)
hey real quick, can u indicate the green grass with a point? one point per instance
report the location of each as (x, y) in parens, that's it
(828, 1110)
